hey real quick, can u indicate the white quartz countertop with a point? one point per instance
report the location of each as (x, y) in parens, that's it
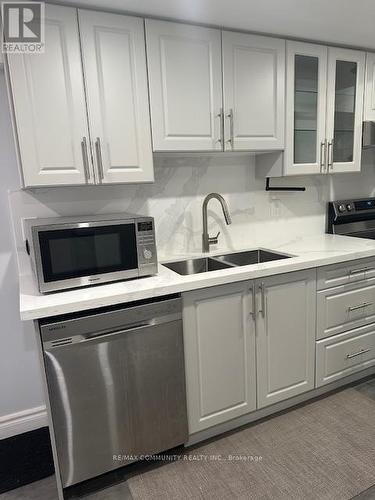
(308, 252)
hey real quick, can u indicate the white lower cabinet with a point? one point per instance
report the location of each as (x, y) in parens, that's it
(227, 363)
(344, 354)
(285, 338)
(345, 307)
(219, 342)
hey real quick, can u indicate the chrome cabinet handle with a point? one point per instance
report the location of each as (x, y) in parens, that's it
(361, 270)
(330, 155)
(360, 306)
(262, 310)
(98, 149)
(253, 302)
(231, 130)
(85, 158)
(362, 351)
(323, 156)
(221, 116)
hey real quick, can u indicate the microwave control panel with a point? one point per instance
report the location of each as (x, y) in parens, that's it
(146, 246)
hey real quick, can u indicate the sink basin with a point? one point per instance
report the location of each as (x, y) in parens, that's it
(195, 266)
(250, 257)
(205, 264)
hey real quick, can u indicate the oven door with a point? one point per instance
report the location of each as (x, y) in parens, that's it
(73, 255)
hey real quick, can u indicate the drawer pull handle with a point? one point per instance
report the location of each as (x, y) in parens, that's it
(361, 270)
(362, 351)
(360, 306)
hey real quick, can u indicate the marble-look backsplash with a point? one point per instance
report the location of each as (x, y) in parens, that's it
(259, 218)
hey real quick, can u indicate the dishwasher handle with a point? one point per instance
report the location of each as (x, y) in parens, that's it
(109, 334)
(102, 335)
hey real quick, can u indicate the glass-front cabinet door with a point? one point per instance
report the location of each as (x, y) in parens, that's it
(306, 109)
(345, 90)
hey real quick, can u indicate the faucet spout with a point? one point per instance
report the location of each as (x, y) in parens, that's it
(206, 239)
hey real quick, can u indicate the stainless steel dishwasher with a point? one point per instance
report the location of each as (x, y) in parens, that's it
(116, 385)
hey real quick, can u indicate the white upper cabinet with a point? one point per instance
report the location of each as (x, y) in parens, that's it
(184, 65)
(64, 140)
(325, 89)
(114, 61)
(306, 94)
(345, 91)
(254, 91)
(48, 97)
(369, 108)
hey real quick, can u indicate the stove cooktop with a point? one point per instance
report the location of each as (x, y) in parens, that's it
(352, 217)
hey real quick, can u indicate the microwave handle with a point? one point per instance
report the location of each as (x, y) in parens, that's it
(27, 247)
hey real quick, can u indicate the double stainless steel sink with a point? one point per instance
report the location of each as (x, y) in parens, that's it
(206, 264)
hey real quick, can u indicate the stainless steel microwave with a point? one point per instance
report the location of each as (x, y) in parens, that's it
(70, 252)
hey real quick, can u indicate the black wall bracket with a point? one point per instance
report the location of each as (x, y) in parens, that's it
(274, 188)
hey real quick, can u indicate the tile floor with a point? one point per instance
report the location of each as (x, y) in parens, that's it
(46, 489)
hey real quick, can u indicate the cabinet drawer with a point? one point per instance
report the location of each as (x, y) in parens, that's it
(345, 307)
(345, 354)
(348, 272)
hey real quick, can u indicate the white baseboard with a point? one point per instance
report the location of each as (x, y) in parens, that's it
(23, 421)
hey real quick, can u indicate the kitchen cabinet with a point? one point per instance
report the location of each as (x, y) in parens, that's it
(345, 307)
(344, 354)
(369, 107)
(345, 329)
(225, 361)
(306, 104)
(285, 336)
(345, 273)
(190, 111)
(254, 88)
(49, 105)
(345, 93)
(114, 62)
(64, 140)
(325, 90)
(219, 343)
(184, 67)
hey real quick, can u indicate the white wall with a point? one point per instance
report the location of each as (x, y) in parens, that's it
(335, 21)
(175, 200)
(20, 386)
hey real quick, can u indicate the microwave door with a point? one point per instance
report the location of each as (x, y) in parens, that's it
(85, 254)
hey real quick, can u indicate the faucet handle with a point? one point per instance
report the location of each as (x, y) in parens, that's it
(213, 240)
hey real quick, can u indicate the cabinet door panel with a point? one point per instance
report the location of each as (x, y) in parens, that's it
(345, 90)
(49, 104)
(219, 342)
(345, 307)
(369, 108)
(306, 108)
(344, 354)
(254, 86)
(116, 81)
(285, 336)
(184, 64)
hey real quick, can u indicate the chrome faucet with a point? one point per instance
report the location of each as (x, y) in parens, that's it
(208, 240)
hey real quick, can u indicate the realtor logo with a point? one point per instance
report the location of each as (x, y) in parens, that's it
(23, 27)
